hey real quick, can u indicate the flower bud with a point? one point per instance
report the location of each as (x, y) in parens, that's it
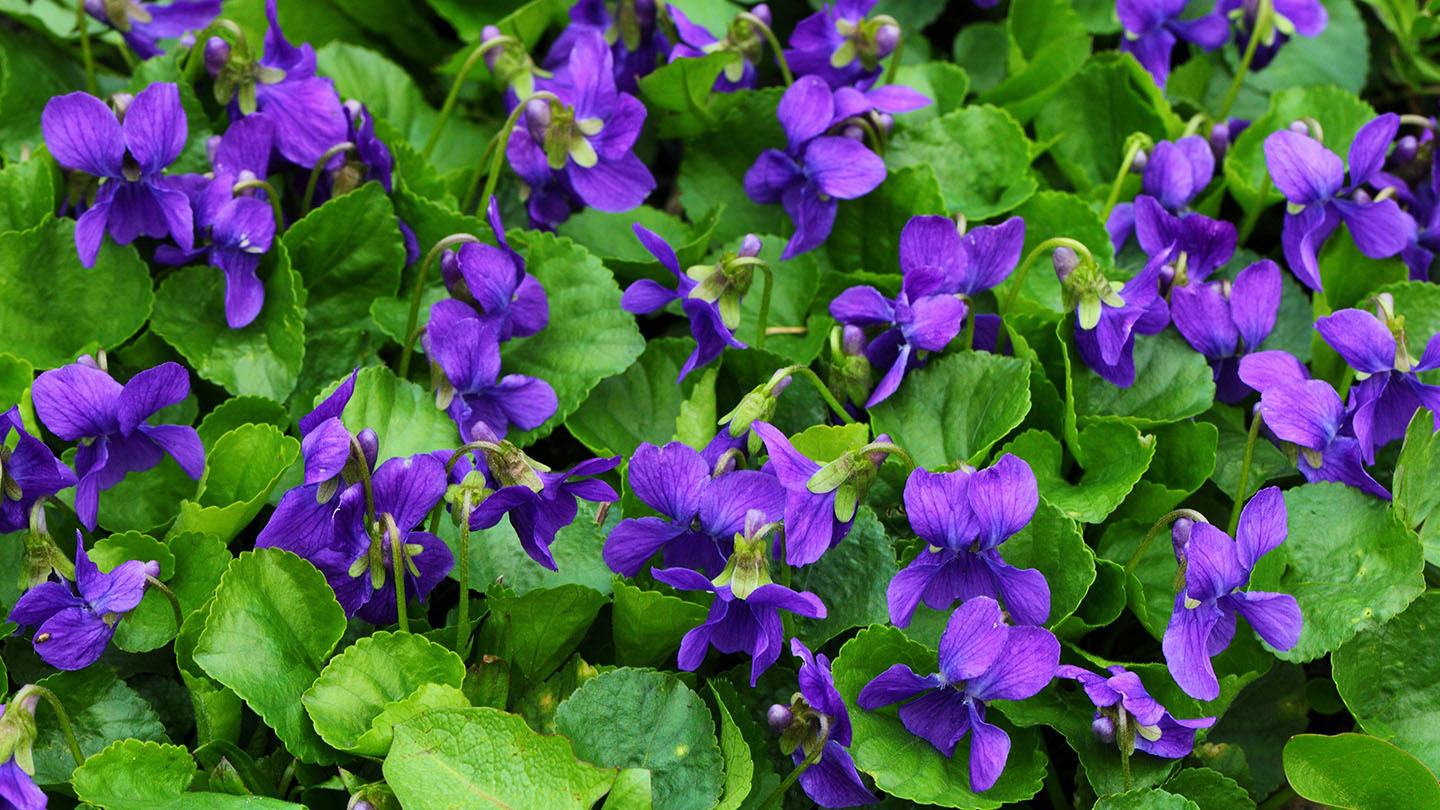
(187, 40)
(121, 102)
(1065, 262)
(1180, 536)
(853, 341)
(217, 55)
(762, 11)
(537, 118)
(1104, 729)
(1137, 166)
(369, 445)
(1405, 150)
(1361, 196)
(1300, 127)
(853, 132)
(750, 246)
(17, 728)
(152, 569)
(886, 39)
(487, 34)
(212, 147)
(779, 717)
(884, 121)
(1220, 139)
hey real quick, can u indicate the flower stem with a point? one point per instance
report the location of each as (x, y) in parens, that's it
(774, 45)
(502, 139)
(761, 328)
(807, 373)
(787, 330)
(92, 86)
(1240, 494)
(1130, 152)
(1048, 244)
(60, 714)
(1253, 215)
(363, 465)
(397, 570)
(462, 612)
(169, 594)
(894, 449)
(1417, 121)
(343, 146)
(473, 187)
(811, 758)
(450, 98)
(269, 192)
(895, 59)
(1263, 20)
(415, 299)
(1279, 799)
(1125, 746)
(1164, 521)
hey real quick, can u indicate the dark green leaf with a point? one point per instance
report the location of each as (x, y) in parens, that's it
(851, 579)
(538, 630)
(1172, 382)
(979, 183)
(102, 709)
(647, 626)
(1116, 455)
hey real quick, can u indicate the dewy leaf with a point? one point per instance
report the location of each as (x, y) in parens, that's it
(1147, 799)
(646, 626)
(853, 577)
(483, 758)
(1389, 678)
(979, 183)
(273, 623)
(1356, 772)
(538, 630)
(262, 359)
(241, 470)
(639, 405)
(907, 766)
(400, 412)
(589, 337)
(102, 709)
(357, 685)
(1172, 382)
(1116, 456)
(956, 407)
(635, 718)
(54, 309)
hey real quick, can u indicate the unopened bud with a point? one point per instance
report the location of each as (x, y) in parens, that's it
(853, 132)
(369, 445)
(779, 717)
(750, 246)
(886, 39)
(217, 55)
(1141, 160)
(152, 569)
(1361, 196)
(762, 11)
(1065, 262)
(537, 118)
(853, 340)
(1406, 150)
(884, 121)
(187, 40)
(212, 147)
(1180, 536)
(1220, 139)
(121, 102)
(487, 34)
(1104, 729)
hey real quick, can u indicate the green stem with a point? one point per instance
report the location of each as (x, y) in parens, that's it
(462, 613)
(876, 145)
(1253, 215)
(893, 449)
(1193, 125)
(1279, 799)
(1124, 748)
(810, 759)
(1417, 121)
(804, 371)
(454, 94)
(1164, 521)
(1048, 244)
(1240, 494)
(60, 714)
(91, 85)
(503, 138)
(1263, 20)
(363, 465)
(269, 192)
(169, 594)
(895, 58)
(419, 294)
(397, 570)
(774, 45)
(764, 318)
(307, 200)
(1125, 163)
(969, 339)
(473, 187)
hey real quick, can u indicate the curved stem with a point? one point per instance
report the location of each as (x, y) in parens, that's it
(774, 45)
(169, 594)
(1253, 215)
(1164, 521)
(810, 759)
(893, 448)
(1240, 494)
(877, 145)
(468, 447)
(895, 59)
(397, 570)
(462, 613)
(91, 86)
(270, 193)
(60, 714)
(1125, 163)
(1193, 125)
(343, 146)
(1263, 21)
(969, 338)
(364, 466)
(419, 294)
(764, 317)
(503, 138)
(1418, 121)
(473, 187)
(804, 371)
(787, 330)
(1279, 799)
(450, 98)
(1048, 244)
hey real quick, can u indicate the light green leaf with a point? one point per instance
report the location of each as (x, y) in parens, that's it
(739, 764)
(1116, 455)
(1356, 772)
(1417, 483)
(680, 98)
(1209, 789)
(1053, 544)
(241, 471)
(102, 709)
(979, 183)
(866, 235)
(1047, 45)
(1146, 799)
(400, 412)
(1172, 382)
(200, 560)
(496, 555)
(136, 775)
(640, 405)
(237, 411)
(1049, 214)
(28, 192)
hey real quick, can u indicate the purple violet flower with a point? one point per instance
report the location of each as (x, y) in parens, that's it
(539, 503)
(1107, 321)
(838, 45)
(18, 790)
(981, 659)
(492, 278)
(304, 108)
(466, 349)
(135, 199)
(1153, 27)
(740, 39)
(965, 516)
(815, 170)
(72, 630)
(83, 402)
(817, 713)
(1223, 321)
(142, 23)
(1155, 731)
(1215, 567)
(1198, 244)
(28, 472)
(638, 43)
(1312, 178)
(701, 513)
(1305, 17)
(1174, 174)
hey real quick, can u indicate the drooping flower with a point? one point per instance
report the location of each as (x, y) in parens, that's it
(493, 280)
(359, 561)
(83, 402)
(820, 500)
(28, 472)
(816, 716)
(1107, 320)
(466, 349)
(981, 659)
(1152, 729)
(709, 296)
(141, 23)
(701, 513)
(1387, 391)
(839, 45)
(815, 170)
(1312, 178)
(72, 629)
(741, 40)
(1304, 17)
(1215, 568)
(1307, 418)
(1174, 175)
(637, 42)
(304, 107)
(18, 790)
(965, 516)
(1153, 27)
(135, 198)
(1223, 321)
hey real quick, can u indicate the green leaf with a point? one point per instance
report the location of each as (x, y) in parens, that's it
(400, 412)
(52, 317)
(1047, 44)
(589, 337)
(791, 302)
(739, 763)
(679, 95)
(200, 560)
(713, 171)
(274, 622)
(1349, 276)
(143, 502)
(1147, 799)
(28, 192)
(611, 238)
(1356, 772)
(1391, 683)
(1267, 462)
(1184, 459)
(1052, 543)
(980, 49)
(1049, 214)
(1417, 483)
(237, 411)
(526, 22)
(956, 408)
(136, 775)
(538, 630)
(631, 791)
(640, 405)
(102, 709)
(1172, 382)
(1350, 563)
(944, 82)
(866, 234)
(468, 759)
(1116, 455)
(979, 183)
(496, 555)
(240, 472)
(646, 626)
(32, 71)
(1264, 715)
(1209, 790)
(263, 358)
(907, 766)
(635, 718)
(851, 578)
(375, 671)
(15, 378)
